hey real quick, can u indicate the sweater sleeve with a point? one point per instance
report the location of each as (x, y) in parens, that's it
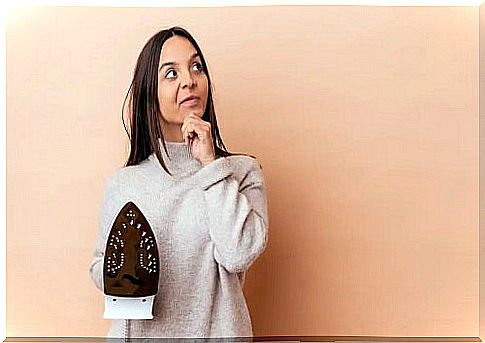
(106, 217)
(237, 213)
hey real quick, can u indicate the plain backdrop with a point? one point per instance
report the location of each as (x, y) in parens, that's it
(364, 119)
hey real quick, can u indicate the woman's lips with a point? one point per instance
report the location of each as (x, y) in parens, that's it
(190, 103)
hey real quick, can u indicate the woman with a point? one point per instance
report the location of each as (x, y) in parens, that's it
(206, 206)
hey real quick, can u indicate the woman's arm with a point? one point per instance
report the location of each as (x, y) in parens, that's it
(107, 215)
(237, 212)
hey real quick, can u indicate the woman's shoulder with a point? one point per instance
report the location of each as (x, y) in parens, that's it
(243, 159)
(243, 165)
(124, 175)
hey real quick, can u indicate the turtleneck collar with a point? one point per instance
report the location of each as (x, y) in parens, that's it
(179, 160)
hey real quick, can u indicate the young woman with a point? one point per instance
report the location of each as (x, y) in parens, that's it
(207, 207)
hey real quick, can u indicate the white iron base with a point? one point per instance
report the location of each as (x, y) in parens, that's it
(128, 308)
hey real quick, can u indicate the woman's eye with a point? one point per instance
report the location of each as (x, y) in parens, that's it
(199, 66)
(168, 73)
(171, 74)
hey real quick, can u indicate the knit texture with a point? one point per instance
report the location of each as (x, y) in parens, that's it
(210, 223)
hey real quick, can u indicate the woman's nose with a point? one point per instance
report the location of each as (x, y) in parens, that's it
(188, 81)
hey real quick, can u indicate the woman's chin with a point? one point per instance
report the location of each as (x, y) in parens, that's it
(199, 112)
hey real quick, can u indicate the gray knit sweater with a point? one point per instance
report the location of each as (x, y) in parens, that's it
(211, 224)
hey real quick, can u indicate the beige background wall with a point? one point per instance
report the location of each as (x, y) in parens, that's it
(482, 167)
(365, 120)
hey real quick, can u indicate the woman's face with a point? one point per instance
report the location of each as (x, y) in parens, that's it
(180, 75)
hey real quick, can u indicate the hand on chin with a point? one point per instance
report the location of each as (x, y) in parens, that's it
(197, 133)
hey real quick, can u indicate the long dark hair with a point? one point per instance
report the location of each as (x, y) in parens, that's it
(144, 107)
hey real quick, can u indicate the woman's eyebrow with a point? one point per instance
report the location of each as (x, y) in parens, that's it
(194, 55)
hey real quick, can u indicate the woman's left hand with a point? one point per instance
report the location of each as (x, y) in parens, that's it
(197, 133)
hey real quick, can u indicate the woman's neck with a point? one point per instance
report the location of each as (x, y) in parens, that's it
(172, 133)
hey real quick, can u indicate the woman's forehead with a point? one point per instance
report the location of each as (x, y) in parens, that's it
(177, 49)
